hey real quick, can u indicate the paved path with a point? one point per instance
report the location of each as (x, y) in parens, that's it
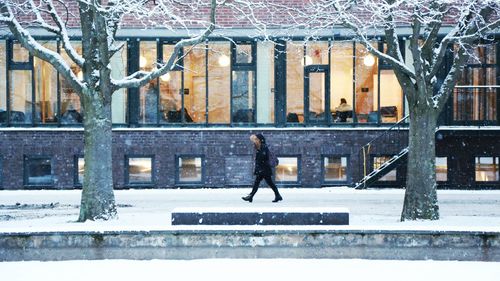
(149, 209)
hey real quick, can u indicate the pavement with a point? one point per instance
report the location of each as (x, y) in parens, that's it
(49, 210)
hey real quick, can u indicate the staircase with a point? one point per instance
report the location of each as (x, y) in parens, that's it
(385, 139)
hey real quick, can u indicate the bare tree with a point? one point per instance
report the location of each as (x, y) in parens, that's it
(438, 28)
(99, 22)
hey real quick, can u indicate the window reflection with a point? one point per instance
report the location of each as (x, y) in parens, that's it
(487, 169)
(335, 168)
(441, 168)
(119, 99)
(287, 170)
(38, 171)
(243, 53)
(190, 169)
(140, 169)
(243, 97)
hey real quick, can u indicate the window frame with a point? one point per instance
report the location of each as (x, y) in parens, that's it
(178, 182)
(26, 159)
(127, 174)
(299, 171)
(324, 181)
(496, 160)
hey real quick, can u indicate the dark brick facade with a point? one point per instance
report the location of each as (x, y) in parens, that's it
(228, 154)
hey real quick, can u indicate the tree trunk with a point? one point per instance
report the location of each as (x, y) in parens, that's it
(420, 196)
(98, 201)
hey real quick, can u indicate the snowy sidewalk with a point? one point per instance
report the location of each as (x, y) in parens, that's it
(57, 210)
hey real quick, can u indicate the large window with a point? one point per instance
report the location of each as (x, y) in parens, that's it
(295, 62)
(265, 82)
(441, 168)
(45, 89)
(195, 77)
(148, 95)
(38, 170)
(71, 107)
(21, 99)
(378, 161)
(219, 85)
(341, 85)
(487, 169)
(476, 94)
(243, 82)
(119, 99)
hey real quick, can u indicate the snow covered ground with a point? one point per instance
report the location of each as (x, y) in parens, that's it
(261, 269)
(50, 210)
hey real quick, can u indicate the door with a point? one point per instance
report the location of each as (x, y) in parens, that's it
(317, 94)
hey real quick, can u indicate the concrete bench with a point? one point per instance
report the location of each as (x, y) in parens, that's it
(260, 216)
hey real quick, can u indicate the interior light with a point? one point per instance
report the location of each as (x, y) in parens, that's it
(80, 75)
(369, 60)
(165, 77)
(224, 61)
(143, 61)
(308, 60)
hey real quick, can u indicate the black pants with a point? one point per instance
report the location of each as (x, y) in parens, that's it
(269, 181)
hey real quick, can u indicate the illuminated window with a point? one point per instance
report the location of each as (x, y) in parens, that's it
(21, 100)
(19, 54)
(139, 170)
(45, 89)
(341, 71)
(335, 168)
(118, 64)
(295, 82)
(195, 92)
(487, 169)
(441, 168)
(148, 95)
(365, 79)
(71, 106)
(287, 170)
(379, 161)
(190, 169)
(219, 86)
(3, 96)
(38, 170)
(80, 170)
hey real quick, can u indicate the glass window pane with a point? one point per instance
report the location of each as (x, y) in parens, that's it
(341, 85)
(71, 109)
(265, 82)
(140, 170)
(3, 84)
(317, 96)
(475, 104)
(287, 170)
(20, 97)
(39, 171)
(20, 54)
(219, 92)
(335, 168)
(45, 88)
(195, 91)
(295, 82)
(441, 168)
(119, 99)
(80, 169)
(170, 98)
(379, 161)
(316, 53)
(148, 95)
(190, 169)
(391, 97)
(243, 53)
(487, 169)
(243, 97)
(366, 93)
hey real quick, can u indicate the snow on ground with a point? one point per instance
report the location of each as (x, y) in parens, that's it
(252, 269)
(57, 210)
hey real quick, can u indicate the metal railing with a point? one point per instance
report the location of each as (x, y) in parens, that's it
(389, 140)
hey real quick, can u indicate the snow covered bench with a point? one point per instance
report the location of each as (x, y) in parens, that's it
(260, 216)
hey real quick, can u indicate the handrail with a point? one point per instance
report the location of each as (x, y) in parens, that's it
(364, 151)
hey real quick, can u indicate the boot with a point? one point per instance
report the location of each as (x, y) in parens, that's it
(277, 198)
(248, 198)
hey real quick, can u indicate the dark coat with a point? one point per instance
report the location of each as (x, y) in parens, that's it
(262, 167)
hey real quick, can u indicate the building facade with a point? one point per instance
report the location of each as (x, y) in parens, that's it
(317, 102)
